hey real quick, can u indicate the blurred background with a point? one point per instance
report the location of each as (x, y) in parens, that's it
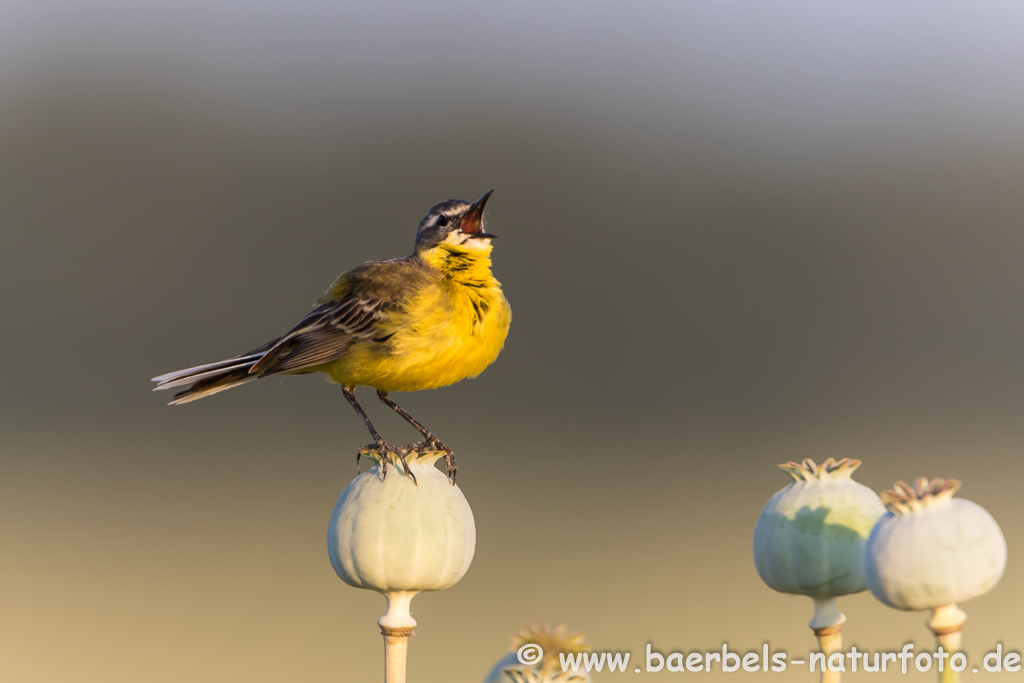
(732, 234)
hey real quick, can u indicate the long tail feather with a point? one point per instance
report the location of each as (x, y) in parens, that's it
(199, 375)
(212, 385)
(205, 380)
(167, 381)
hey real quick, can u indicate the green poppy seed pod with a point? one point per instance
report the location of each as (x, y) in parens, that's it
(931, 549)
(398, 536)
(809, 539)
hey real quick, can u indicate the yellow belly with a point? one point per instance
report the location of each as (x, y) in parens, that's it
(447, 333)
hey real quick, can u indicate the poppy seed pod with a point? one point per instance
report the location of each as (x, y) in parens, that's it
(932, 551)
(400, 535)
(810, 537)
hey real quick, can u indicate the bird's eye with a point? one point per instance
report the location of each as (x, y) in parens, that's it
(442, 220)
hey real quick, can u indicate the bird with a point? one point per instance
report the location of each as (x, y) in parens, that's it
(422, 321)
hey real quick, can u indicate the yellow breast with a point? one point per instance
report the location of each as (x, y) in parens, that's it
(449, 330)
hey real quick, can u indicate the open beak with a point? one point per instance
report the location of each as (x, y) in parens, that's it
(473, 220)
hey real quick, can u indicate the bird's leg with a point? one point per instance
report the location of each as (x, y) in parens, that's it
(429, 440)
(380, 445)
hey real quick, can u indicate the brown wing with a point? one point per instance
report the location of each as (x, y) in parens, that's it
(324, 335)
(352, 310)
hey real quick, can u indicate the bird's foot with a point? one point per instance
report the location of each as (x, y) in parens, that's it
(432, 444)
(382, 448)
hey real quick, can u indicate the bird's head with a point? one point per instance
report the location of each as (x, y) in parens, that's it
(457, 225)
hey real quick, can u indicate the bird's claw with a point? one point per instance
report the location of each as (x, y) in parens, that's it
(432, 444)
(382, 448)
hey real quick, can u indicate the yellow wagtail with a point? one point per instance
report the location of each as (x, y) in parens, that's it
(423, 321)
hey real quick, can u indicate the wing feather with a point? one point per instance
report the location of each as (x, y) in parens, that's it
(355, 308)
(324, 335)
